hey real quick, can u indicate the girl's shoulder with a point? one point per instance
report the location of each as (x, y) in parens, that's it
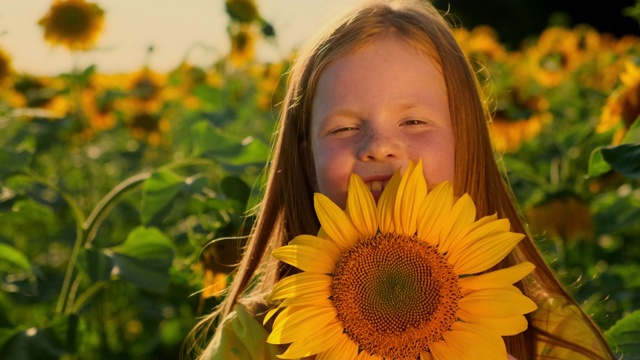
(563, 319)
(242, 336)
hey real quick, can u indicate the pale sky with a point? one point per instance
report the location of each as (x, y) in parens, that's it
(171, 26)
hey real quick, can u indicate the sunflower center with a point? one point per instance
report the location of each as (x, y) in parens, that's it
(395, 295)
(71, 19)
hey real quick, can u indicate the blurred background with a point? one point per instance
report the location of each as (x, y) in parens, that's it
(135, 134)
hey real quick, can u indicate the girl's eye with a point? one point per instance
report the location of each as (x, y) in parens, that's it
(343, 129)
(413, 122)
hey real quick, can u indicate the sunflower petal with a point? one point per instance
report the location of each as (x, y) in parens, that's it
(335, 222)
(329, 247)
(296, 322)
(306, 258)
(469, 341)
(360, 198)
(411, 193)
(463, 214)
(426, 356)
(506, 326)
(497, 303)
(387, 203)
(434, 211)
(484, 253)
(299, 284)
(321, 340)
(345, 348)
(485, 227)
(496, 279)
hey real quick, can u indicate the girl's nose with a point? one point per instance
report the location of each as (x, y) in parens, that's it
(378, 146)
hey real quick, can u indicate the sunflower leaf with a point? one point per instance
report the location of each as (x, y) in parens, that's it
(623, 336)
(624, 158)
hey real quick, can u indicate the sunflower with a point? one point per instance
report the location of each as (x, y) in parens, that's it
(518, 119)
(555, 56)
(481, 43)
(623, 105)
(6, 69)
(563, 214)
(243, 43)
(75, 24)
(400, 280)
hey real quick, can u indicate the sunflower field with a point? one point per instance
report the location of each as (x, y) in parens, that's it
(124, 198)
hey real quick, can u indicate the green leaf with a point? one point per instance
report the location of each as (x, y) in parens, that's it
(146, 244)
(234, 188)
(158, 192)
(597, 164)
(11, 161)
(144, 259)
(7, 334)
(209, 142)
(11, 255)
(632, 136)
(623, 336)
(624, 159)
(254, 153)
(51, 342)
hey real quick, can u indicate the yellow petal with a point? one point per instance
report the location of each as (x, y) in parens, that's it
(468, 341)
(306, 258)
(329, 247)
(387, 203)
(335, 222)
(485, 227)
(504, 326)
(299, 284)
(320, 340)
(426, 356)
(364, 355)
(496, 279)
(483, 253)
(344, 348)
(434, 212)
(463, 213)
(360, 198)
(497, 303)
(295, 322)
(411, 194)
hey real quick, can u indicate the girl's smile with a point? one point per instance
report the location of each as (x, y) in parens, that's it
(374, 110)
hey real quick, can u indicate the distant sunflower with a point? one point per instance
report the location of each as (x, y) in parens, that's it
(243, 42)
(518, 120)
(5, 67)
(44, 93)
(481, 43)
(148, 127)
(75, 24)
(399, 280)
(564, 214)
(623, 105)
(556, 54)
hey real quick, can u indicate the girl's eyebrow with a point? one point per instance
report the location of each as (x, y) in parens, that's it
(339, 112)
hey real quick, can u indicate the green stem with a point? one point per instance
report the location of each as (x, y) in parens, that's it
(79, 218)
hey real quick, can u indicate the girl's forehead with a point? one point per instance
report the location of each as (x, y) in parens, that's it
(422, 47)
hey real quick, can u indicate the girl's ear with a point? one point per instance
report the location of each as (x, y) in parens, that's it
(309, 165)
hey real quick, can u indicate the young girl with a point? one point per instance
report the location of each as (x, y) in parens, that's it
(385, 86)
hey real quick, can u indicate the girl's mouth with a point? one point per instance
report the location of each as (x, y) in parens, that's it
(376, 186)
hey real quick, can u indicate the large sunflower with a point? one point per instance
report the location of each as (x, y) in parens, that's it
(75, 24)
(400, 280)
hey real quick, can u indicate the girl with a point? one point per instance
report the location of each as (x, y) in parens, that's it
(385, 86)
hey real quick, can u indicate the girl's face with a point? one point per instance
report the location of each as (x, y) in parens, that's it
(376, 109)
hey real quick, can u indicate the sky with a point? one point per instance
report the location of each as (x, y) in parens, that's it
(175, 28)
